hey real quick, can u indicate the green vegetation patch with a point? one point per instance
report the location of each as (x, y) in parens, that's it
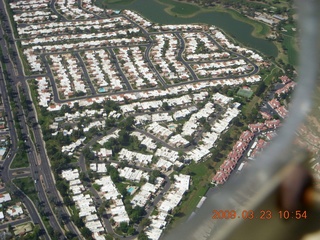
(20, 160)
(247, 93)
(250, 108)
(115, 1)
(200, 174)
(26, 185)
(289, 45)
(20, 229)
(180, 8)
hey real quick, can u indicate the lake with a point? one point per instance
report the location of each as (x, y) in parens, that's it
(241, 31)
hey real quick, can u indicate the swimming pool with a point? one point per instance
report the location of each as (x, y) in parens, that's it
(130, 190)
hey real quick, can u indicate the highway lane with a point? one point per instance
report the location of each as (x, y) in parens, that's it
(5, 174)
(41, 164)
(6, 166)
(15, 78)
(43, 169)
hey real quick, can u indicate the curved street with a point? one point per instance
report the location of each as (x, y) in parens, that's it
(98, 201)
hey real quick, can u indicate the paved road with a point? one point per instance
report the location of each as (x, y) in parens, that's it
(85, 73)
(5, 173)
(148, 45)
(98, 200)
(16, 78)
(40, 169)
(14, 222)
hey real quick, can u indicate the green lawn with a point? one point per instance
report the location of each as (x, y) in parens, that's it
(249, 107)
(201, 177)
(180, 8)
(290, 45)
(245, 93)
(20, 160)
(274, 72)
(278, 3)
(289, 31)
(26, 185)
(101, 2)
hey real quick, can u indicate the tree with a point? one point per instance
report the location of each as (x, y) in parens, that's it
(101, 210)
(97, 187)
(135, 217)
(142, 236)
(67, 201)
(124, 137)
(65, 109)
(145, 222)
(70, 235)
(165, 106)
(62, 186)
(122, 189)
(108, 237)
(127, 124)
(137, 213)
(124, 227)
(110, 122)
(114, 174)
(131, 231)
(88, 154)
(156, 173)
(261, 88)
(86, 233)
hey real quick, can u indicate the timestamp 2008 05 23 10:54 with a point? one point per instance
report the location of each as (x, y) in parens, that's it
(262, 214)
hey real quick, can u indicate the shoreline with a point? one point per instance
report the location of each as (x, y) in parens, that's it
(258, 27)
(257, 30)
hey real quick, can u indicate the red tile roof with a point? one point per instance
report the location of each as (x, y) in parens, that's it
(246, 136)
(265, 115)
(274, 103)
(275, 123)
(285, 79)
(220, 177)
(282, 111)
(257, 127)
